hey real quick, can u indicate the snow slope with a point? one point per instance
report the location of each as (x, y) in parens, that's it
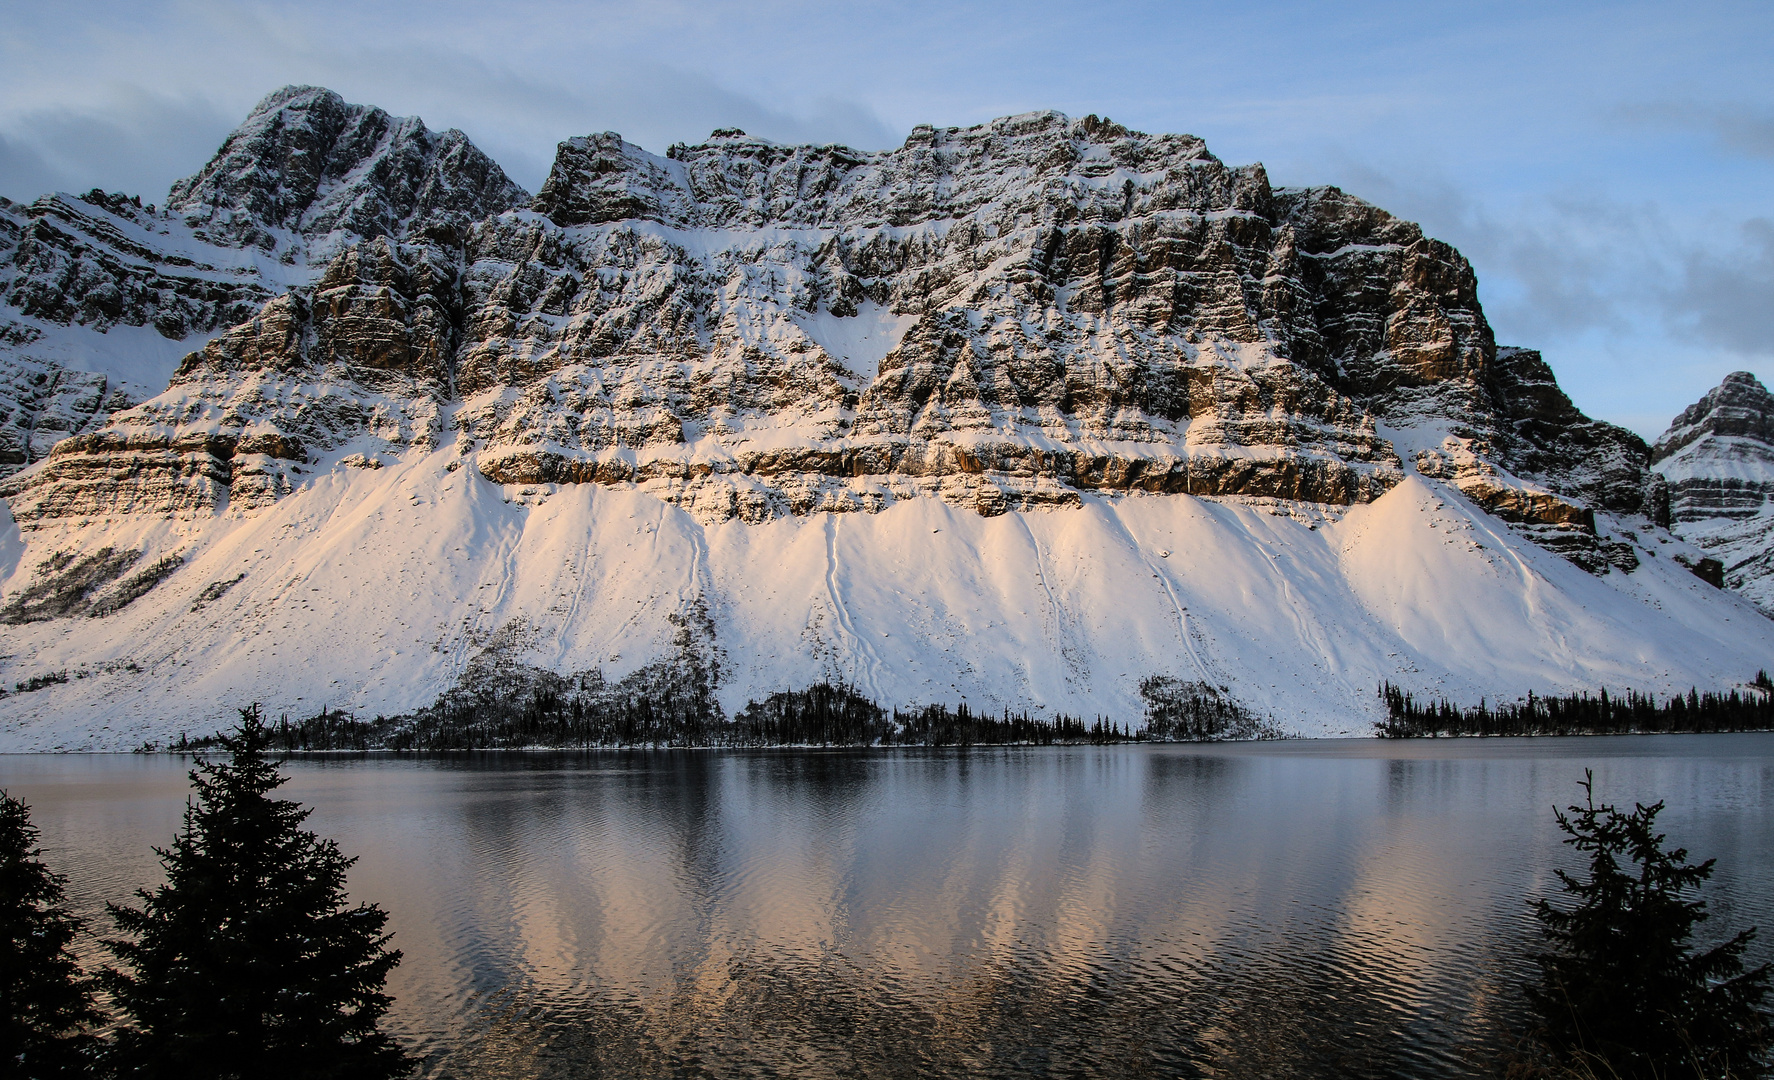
(371, 589)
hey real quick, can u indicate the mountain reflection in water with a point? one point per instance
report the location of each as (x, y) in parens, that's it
(1293, 909)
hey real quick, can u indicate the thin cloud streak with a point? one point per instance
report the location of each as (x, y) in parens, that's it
(1736, 128)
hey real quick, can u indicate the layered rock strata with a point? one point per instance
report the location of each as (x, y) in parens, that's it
(1004, 316)
(98, 292)
(76, 276)
(1718, 459)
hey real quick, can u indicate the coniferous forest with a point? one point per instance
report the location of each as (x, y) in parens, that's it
(663, 708)
(554, 711)
(1627, 713)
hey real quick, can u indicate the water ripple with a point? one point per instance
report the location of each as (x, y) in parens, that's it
(1262, 911)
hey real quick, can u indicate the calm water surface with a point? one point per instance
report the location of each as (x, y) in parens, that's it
(1347, 908)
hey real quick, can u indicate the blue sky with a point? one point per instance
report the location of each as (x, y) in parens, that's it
(1608, 168)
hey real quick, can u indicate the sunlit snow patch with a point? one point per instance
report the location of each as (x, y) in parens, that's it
(859, 341)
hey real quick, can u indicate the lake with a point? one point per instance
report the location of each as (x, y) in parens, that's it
(1302, 908)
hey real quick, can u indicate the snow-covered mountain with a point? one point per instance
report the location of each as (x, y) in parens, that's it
(1718, 457)
(101, 296)
(1022, 414)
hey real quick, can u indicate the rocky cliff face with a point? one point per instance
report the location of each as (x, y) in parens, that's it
(1004, 317)
(101, 295)
(1718, 458)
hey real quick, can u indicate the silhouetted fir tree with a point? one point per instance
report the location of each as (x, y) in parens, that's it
(46, 1002)
(1622, 993)
(248, 963)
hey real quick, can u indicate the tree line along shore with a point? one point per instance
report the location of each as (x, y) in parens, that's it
(564, 713)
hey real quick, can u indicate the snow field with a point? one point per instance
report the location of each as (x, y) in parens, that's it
(371, 589)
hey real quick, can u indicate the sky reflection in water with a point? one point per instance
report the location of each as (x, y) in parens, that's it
(1297, 909)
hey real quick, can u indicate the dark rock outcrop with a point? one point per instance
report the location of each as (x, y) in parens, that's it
(98, 261)
(72, 271)
(235, 426)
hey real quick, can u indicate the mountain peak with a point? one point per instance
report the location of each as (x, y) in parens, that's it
(1003, 171)
(1739, 406)
(1718, 459)
(307, 165)
(295, 95)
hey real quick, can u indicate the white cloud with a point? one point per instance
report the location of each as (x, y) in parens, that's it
(1726, 293)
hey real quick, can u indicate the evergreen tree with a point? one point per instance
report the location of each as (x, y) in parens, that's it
(1622, 992)
(45, 1002)
(247, 963)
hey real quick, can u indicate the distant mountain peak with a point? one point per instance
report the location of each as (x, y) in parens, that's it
(1718, 458)
(1738, 406)
(292, 94)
